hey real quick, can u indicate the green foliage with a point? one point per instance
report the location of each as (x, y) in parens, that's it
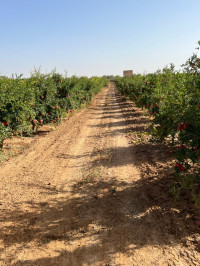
(27, 103)
(173, 99)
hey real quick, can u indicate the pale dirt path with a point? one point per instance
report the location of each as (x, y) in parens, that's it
(75, 197)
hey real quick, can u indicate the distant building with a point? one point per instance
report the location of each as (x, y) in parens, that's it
(128, 73)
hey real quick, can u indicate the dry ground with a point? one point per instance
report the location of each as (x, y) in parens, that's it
(95, 192)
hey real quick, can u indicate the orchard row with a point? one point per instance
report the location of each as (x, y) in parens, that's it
(173, 99)
(27, 103)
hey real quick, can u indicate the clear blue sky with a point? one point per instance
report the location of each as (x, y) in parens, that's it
(96, 37)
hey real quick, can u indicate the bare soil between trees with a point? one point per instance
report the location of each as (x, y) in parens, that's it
(95, 192)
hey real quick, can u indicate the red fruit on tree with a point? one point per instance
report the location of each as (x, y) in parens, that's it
(184, 126)
(182, 168)
(5, 123)
(180, 126)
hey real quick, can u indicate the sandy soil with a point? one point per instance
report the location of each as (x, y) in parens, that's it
(95, 192)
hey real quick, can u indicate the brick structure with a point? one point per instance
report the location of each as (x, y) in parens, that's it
(128, 73)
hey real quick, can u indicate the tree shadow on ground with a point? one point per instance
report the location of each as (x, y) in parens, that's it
(121, 123)
(118, 216)
(148, 153)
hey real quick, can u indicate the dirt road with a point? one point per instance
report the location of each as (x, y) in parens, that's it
(95, 192)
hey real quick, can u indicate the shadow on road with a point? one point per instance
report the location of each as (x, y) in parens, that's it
(116, 214)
